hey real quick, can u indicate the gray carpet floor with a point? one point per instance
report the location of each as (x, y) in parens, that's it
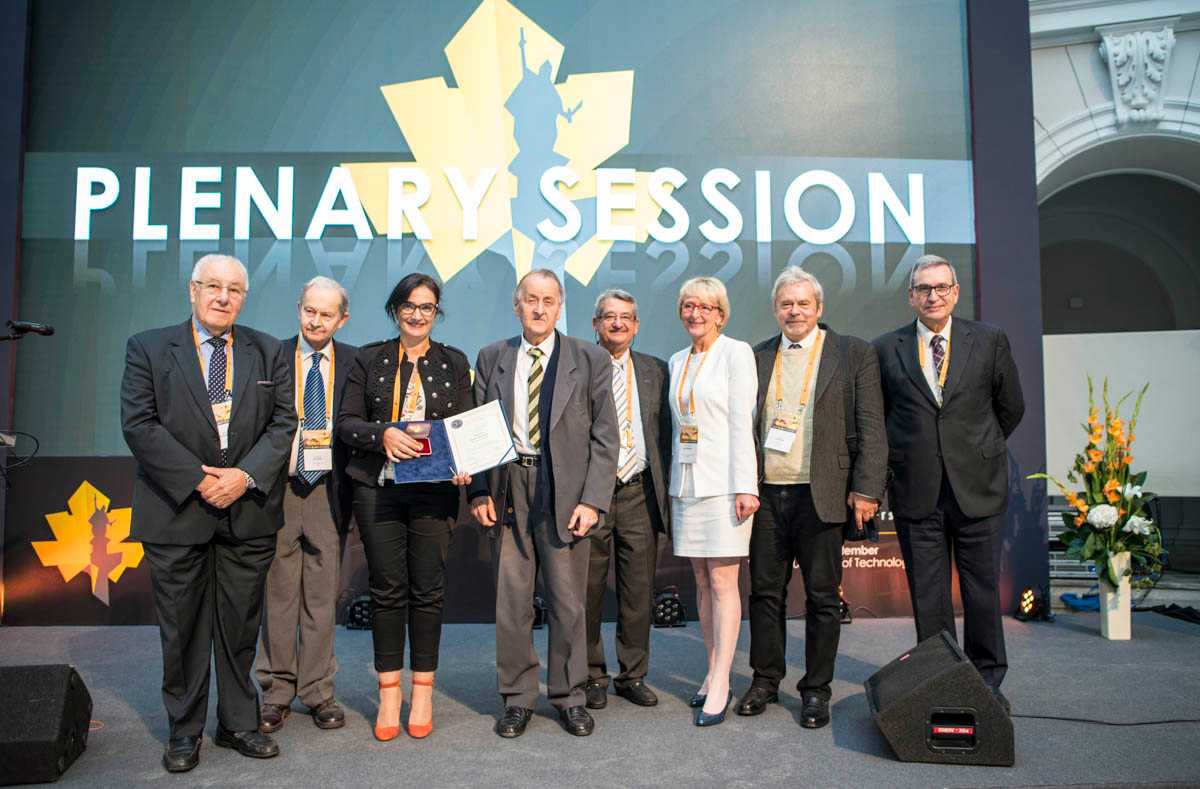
(1062, 668)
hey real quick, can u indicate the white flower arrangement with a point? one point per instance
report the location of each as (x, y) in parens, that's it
(1138, 525)
(1103, 516)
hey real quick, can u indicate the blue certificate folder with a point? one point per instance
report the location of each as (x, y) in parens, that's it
(438, 465)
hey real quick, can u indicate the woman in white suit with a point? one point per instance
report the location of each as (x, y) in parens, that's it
(714, 476)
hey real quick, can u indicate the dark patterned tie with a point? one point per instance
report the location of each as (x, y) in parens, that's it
(217, 364)
(535, 389)
(314, 415)
(939, 355)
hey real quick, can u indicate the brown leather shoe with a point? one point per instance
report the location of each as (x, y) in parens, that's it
(272, 717)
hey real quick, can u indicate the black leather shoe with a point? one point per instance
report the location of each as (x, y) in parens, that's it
(248, 743)
(1000, 697)
(513, 722)
(577, 721)
(697, 700)
(756, 700)
(815, 712)
(639, 693)
(182, 754)
(272, 717)
(597, 695)
(328, 715)
(703, 718)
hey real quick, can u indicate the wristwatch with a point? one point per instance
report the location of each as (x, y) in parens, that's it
(250, 484)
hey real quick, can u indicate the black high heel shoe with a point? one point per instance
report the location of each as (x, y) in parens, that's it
(705, 719)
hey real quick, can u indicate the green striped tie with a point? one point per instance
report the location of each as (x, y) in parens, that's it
(535, 389)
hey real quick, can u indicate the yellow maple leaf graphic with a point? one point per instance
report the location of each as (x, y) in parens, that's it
(90, 538)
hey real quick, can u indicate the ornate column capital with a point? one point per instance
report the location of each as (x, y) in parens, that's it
(1138, 55)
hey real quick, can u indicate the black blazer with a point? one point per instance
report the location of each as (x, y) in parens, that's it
(168, 424)
(337, 484)
(367, 403)
(848, 374)
(981, 406)
(653, 384)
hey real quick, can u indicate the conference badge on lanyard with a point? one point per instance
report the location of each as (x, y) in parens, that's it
(221, 412)
(689, 441)
(782, 433)
(317, 446)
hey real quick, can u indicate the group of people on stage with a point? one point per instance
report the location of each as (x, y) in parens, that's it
(254, 454)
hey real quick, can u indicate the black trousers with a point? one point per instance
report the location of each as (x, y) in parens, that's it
(208, 599)
(628, 530)
(927, 545)
(788, 530)
(405, 532)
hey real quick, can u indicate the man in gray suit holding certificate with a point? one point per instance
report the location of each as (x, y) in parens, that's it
(558, 392)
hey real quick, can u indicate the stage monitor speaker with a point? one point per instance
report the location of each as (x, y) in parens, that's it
(932, 706)
(44, 724)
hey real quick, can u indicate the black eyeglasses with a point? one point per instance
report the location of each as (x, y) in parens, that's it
(427, 310)
(923, 291)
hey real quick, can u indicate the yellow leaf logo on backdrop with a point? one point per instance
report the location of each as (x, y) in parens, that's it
(508, 113)
(90, 538)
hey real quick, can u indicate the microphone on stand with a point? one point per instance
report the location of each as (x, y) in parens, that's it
(27, 327)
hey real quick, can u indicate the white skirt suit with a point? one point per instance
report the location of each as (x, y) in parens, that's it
(703, 520)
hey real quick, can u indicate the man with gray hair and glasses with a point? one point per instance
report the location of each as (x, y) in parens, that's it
(207, 412)
(952, 398)
(639, 509)
(296, 659)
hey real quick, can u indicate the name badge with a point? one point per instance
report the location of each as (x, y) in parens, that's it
(221, 413)
(689, 440)
(782, 434)
(317, 447)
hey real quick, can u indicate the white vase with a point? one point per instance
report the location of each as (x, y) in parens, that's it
(1115, 602)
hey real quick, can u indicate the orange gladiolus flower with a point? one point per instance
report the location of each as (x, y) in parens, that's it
(1079, 519)
(1094, 455)
(1093, 417)
(1096, 438)
(1089, 468)
(1128, 459)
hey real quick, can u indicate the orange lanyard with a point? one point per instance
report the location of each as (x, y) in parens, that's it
(941, 374)
(414, 387)
(813, 355)
(200, 357)
(691, 403)
(328, 387)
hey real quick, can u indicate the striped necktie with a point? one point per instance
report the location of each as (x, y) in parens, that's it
(939, 355)
(627, 459)
(535, 389)
(217, 365)
(314, 415)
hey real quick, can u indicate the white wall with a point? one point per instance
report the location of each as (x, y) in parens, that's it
(1168, 430)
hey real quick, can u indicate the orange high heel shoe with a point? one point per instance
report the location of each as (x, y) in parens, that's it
(420, 731)
(385, 733)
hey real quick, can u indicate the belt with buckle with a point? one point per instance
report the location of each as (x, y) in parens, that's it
(528, 461)
(636, 479)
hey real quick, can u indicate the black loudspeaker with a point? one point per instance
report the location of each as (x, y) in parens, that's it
(932, 706)
(44, 724)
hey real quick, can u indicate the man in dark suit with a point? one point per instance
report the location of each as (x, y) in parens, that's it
(558, 391)
(639, 509)
(822, 458)
(952, 397)
(206, 409)
(302, 585)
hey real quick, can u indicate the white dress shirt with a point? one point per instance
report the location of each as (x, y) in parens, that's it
(925, 337)
(639, 437)
(306, 353)
(520, 415)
